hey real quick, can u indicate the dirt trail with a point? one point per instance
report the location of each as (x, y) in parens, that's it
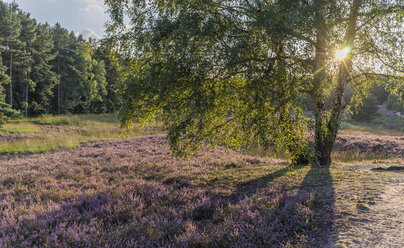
(380, 222)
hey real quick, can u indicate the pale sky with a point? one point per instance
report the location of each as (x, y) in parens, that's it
(74, 15)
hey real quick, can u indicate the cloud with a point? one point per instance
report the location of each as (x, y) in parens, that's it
(36, 1)
(92, 6)
(88, 33)
(74, 15)
(92, 1)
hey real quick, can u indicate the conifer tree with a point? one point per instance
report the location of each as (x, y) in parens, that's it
(113, 99)
(62, 63)
(42, 75)
(12, 31)
(4, 27)
(49, 70)
(9, 32)
(24, 61)
(5, 33)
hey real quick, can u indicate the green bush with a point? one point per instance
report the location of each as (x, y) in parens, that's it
(367, 110)
(394, 103)
(6, 112)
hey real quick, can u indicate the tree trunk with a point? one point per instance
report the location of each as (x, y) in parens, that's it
(320, 147)
(343, 77)
(326, 131)
(27, 95)
(1, 63)
(11, 78)
(59, 86)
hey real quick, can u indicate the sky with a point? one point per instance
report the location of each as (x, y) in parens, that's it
(74, 15)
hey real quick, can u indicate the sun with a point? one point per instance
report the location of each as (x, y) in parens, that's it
(341, 54)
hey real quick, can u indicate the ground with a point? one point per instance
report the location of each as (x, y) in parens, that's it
(367, 206)
(131, 192)
(47, 133)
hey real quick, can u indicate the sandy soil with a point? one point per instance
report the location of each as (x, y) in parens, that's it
(377, 218)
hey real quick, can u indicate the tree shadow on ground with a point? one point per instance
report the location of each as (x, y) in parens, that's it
(318, 181)
(391, 168)
(248, 189)
(99, 211)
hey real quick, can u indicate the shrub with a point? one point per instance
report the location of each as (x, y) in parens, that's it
(394, 103)
(6, 112)
(367, 110)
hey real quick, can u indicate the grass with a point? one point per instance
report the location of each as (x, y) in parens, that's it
(353, 156)
(12, 128)
(72, 120)
(389, 126)
(48, 133)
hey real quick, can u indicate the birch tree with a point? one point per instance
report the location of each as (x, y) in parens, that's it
(230, 73)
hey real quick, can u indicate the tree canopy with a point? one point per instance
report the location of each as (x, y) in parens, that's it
(49, 70)
(7, 33)
(232, 72)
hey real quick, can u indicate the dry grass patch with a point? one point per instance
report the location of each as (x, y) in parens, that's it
(48, 133)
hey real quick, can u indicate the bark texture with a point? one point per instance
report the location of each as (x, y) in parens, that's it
(326, 128)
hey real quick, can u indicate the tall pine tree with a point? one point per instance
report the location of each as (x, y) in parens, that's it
(24, 61)
(5, 33)
(49, 70)
(42, 75)
(60, 63)
(12, 33)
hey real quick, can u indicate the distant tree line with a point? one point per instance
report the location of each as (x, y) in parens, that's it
(49, 70)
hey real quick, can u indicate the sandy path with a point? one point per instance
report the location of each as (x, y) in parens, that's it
(386, 227)
(381, 224)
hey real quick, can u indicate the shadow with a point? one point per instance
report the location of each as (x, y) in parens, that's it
(64, 224)
(318, 181)
(147, 213)
(391, 168)
(248, 189)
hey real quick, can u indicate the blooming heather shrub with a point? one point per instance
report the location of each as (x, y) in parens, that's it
(204, 211)
(132, 194)
(263, 221)
(151, 214)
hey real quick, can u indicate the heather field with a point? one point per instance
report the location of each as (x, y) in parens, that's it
(114, 192)
(48, 133)
(201, 124)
